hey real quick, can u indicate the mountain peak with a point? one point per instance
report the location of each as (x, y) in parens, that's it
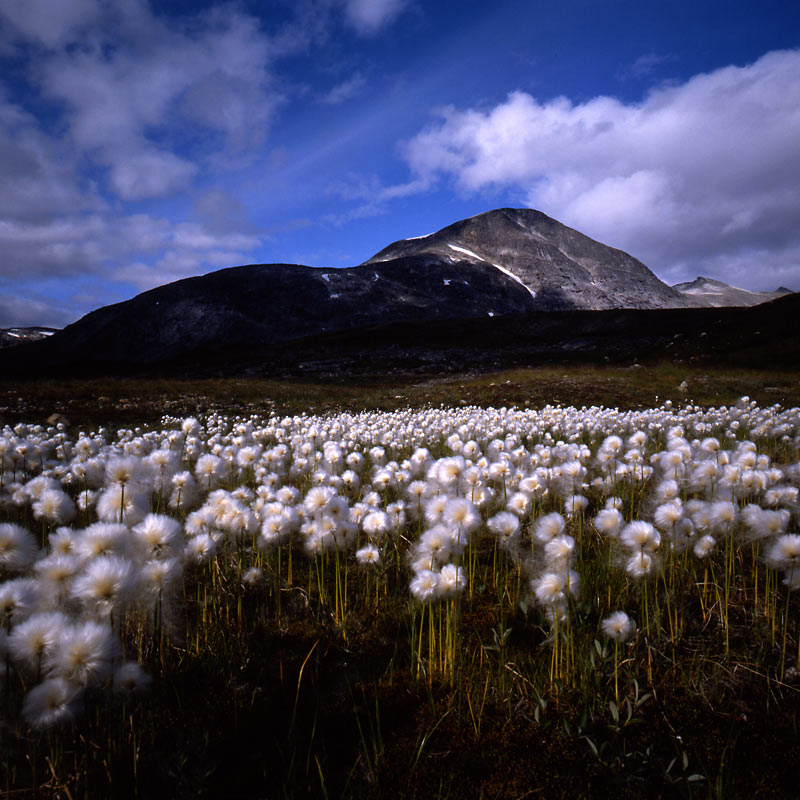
(704, 291)
(561, 267)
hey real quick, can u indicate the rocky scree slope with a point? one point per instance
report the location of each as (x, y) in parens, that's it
(562, 268)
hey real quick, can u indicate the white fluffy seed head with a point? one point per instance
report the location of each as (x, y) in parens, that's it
(50, 704)
(618, 626)
(548, 527)
(640, 535)
(424, 585)
(639, 565)
(704, 546)
(784, 552)
(609, 522)
(451, 581)
(18, 547)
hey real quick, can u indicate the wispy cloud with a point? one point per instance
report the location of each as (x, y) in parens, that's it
(369, 16)
(346, 90)
(644, 66)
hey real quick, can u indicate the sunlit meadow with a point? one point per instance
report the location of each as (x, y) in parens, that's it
(378, 604)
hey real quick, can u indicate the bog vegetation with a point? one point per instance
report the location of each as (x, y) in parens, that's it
(441, 602)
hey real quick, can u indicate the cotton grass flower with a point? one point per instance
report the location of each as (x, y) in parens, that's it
(120, 503)
(574, 505)
(50, 704)
(18, 598)
(106, 584)
(608, 522)
(158, 535)
(376, 525)
(452, 581)
(519, 504)
(201, 548)
(554, 588)
(101, 539)
(254, 576)
(704, 546)
(460, 513)
(368, 556)
(131, 679)
(158, 577)
(34, 638)
(618, 626)
(55, 573)
(640, 535)
(559, 551)
(506, 527)
(424, 585)
(18, 547)
(548, 527)
(54, 506)
(82, 653)
(784, 552)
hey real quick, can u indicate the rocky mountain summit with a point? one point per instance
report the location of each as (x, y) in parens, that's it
(561, 268)
(708, 292)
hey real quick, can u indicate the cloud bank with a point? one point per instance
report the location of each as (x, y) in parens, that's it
(697, 178)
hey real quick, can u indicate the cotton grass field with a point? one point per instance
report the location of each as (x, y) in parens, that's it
(448, 600)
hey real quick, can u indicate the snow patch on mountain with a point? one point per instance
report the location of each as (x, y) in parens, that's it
(502, 269)
(512, 275)
(465, 252)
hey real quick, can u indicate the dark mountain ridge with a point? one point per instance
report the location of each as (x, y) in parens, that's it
(269, 304)
(508, 285)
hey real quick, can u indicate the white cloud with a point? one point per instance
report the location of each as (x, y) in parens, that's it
(137, 105)
(38, 177)
(697, 178)
(49, 22)
(150, 173)
(137, 88)
(22, 311)
(369, 16)
(107, 245)
(107, 253)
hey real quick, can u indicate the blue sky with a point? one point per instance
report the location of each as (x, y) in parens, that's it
(143, 142)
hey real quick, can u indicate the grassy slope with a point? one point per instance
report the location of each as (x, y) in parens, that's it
(144, 401)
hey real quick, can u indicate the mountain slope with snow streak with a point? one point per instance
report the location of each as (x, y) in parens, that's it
(560, 267)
